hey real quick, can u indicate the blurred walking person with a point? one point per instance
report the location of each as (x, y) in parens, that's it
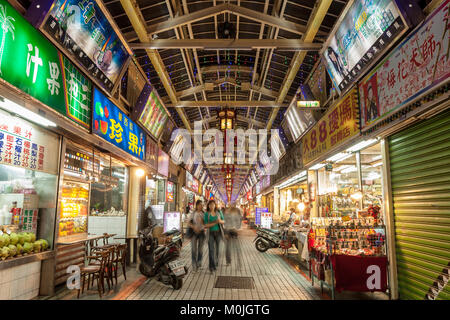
(198, 234)
(233, 221)
(213, 220)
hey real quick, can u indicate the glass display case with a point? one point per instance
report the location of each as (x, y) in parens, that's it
(339, 189)
(74, 208)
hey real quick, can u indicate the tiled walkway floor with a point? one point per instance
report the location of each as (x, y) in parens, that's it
(274, 278)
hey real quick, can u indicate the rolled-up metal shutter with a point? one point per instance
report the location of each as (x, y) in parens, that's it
(420, 177)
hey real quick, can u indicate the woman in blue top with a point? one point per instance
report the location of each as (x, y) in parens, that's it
(213, 217)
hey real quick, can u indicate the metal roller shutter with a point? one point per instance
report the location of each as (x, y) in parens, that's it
(420, 177)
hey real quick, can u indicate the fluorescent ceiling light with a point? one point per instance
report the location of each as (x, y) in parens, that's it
(339, 157)
(348, 170)
(14, 108)
(317, 166)
(361, 145)
(377, 164)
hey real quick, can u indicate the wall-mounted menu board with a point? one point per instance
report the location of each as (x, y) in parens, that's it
(150, 112)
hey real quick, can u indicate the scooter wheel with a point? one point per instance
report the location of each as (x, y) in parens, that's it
(144, 270)
(261, 246)
(177, 283)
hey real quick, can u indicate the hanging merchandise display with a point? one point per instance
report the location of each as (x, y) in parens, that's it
(31, 63)
(111, 124)
(367, 30)
(83, 30)
(348, 255)
(420, 179)
(418, 64)
(337, 125)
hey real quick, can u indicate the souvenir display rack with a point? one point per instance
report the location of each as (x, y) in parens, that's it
(337, 237)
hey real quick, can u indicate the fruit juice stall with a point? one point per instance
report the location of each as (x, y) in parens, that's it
(92, 202)
(28, 189)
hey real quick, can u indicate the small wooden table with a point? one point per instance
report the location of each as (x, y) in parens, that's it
(128, 240)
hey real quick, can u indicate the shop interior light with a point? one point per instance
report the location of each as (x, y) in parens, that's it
(301, 206)
(339, 157)
(349, 169)
(377, 157)
(14, 108)
(140, 172)
(361, 145)
(317, 166)
(356, 196)
(377, 164)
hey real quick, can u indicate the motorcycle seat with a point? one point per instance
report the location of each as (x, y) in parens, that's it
(171, 232)
(273, 230)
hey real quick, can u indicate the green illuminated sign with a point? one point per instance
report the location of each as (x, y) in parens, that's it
(31, 63)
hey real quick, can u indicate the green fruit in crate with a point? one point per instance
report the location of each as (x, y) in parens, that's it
(14, 238)
(4, 252)
(12, 250)
(1, 242)
(33, 237)
(19, 248)
(37, 246)
(21, 238)
(6, 240)
(26, 237)
(27, 247)
(44, 244)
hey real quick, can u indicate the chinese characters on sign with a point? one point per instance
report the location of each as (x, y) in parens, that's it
(110, 123)
(31, 63)
(172, 220)
(308, 104)
(258, 213)
(337, 125)
(416, 65)
(84, 31)
(169, 193)
(367, 29)
(24, 145)
(266, 220)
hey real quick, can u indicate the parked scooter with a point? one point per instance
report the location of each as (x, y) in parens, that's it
(162, 260)
(273, 238)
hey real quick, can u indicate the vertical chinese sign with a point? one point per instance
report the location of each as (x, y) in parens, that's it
(170, 191)
(420, 62)
(31, 63)
(110, 123)
(27, 146)
(339, 124)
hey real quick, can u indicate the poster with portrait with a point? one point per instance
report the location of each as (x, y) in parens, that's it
(368, 28)
(370, 105)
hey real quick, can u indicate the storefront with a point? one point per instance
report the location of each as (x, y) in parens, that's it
(29, 173)
(345, 184)
(413, 118)
(293, 193)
